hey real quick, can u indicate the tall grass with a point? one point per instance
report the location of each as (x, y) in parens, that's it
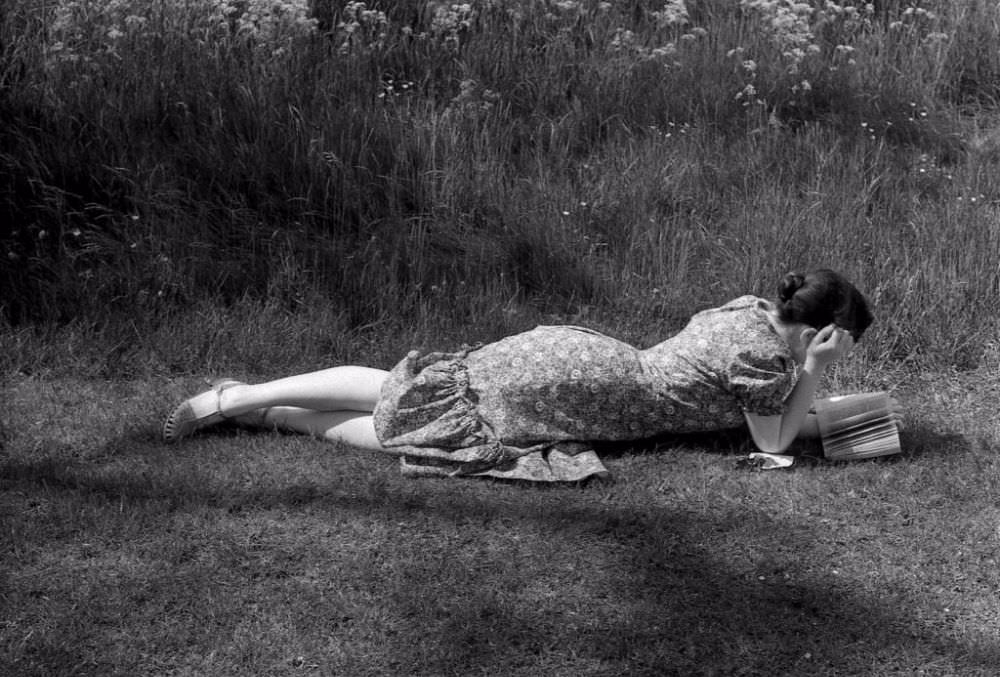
(627, 162)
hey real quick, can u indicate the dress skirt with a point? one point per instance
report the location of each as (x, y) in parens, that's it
(429, 416)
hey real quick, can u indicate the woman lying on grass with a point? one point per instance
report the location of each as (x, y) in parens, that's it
(528, 406)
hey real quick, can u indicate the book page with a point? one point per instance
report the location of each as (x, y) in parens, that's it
(857, 426)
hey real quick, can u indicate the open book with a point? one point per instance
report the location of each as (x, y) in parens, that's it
(857, 426)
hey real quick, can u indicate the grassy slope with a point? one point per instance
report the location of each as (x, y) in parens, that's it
(265, 554)
(561, 156)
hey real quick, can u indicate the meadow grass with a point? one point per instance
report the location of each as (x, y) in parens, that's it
(462, 161)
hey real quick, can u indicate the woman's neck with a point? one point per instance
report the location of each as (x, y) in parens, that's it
(790, 332)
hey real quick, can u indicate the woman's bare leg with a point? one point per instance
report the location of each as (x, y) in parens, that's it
(348, 427)
(347, 393)
(337, 389)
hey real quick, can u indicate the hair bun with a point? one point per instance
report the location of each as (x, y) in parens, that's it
(790, 284)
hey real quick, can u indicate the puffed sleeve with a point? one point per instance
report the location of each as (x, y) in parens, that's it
(761, 383)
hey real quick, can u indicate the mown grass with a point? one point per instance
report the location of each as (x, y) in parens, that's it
(245, 554)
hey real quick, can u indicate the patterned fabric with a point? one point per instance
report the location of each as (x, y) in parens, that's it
(526, 406)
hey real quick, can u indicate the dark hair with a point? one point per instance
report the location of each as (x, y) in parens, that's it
(823, 297)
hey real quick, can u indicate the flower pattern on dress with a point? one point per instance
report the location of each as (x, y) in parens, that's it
(564, 384)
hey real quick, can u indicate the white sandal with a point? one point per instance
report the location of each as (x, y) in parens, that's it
(197, 412)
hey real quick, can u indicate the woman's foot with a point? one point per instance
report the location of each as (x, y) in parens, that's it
(197, 412)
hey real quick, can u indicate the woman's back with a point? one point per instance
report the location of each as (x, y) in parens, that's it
(570, 383)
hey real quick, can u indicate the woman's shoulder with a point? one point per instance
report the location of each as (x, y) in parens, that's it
(743, 305)
(739, 326)
(747, 302)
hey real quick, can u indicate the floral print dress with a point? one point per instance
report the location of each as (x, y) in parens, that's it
(529, 405)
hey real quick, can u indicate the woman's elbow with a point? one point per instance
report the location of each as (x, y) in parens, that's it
(771, 446)
(767, 433)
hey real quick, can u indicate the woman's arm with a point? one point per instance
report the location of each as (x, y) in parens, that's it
(810, 428)
(774, 434)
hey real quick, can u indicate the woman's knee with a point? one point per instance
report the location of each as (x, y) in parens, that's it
(353, 429)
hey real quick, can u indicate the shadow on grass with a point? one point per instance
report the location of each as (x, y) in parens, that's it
(649, 589)
(921, 439)
(917, 440)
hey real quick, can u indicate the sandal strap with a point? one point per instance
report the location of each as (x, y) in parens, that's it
(219, 385)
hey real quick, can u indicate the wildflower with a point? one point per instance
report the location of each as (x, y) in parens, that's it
(622, 40)
(449, 22)
(833, 7)
(747, 92)
(795, 54)
(470, 102)
(665, 51)
(361, 28)
(568, 5)
(786, 24)
(673, 13)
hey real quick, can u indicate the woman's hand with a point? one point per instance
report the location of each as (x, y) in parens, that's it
(829, 345)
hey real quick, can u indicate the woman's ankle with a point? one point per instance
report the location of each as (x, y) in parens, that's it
(233, 401)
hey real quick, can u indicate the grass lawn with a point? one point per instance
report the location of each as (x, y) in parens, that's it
(264, 554)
